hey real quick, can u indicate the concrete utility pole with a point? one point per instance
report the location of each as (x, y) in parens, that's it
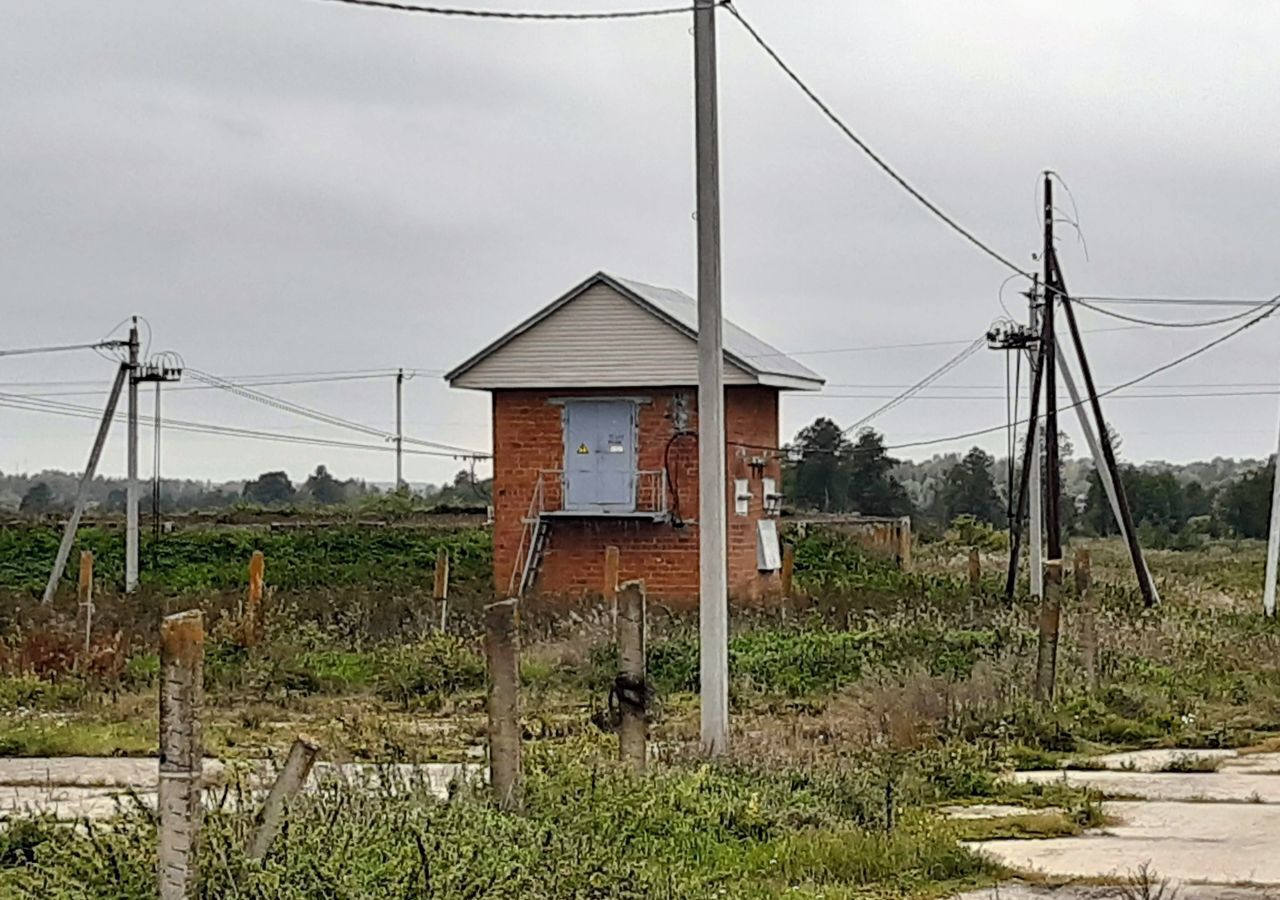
(1035, 537)
(1273, 543)
(131, 488)
(1095, 449)
(399, 429)
(82, 492)
(713, 576)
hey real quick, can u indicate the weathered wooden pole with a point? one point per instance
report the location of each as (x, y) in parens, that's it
(441, 588)
(1050, 622)
(1088, 617)
(253, 604)
(975, 571)
(85, 595)
(181, 752)
(631, 685)
(502, 649)
(788, 569)
(302, 756)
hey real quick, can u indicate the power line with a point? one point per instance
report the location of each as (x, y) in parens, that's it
(317, 415)
(1155, 323)
(59, 348)
(470, 13)
(933, 376)
(980, 432)
(1171, 301)
(874, 157)
(867, 348)
(19, 402)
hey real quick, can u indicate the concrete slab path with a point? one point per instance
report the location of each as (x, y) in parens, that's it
(1208, 828)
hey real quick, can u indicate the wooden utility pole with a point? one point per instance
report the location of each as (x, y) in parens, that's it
(788, 569)
(1145, 583)
(82, 491)
(631, 686)
(131, 486)
(1029, 462)
(713, 600)
(181, 753)
(440, 591)
(502, 649)
(1051, 602)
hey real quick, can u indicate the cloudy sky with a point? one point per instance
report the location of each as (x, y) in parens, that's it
(294, 186)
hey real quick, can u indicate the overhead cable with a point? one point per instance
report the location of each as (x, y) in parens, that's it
(471, 13)
(871, 154)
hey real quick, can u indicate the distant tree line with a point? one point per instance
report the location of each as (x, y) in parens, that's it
(53, 492)
(827, 470)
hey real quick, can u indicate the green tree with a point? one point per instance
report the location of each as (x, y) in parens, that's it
(1245, 505)
(269, 488)
(968, 488)
(872, 490)
(819, 476)
(37, 500)
(323, 488)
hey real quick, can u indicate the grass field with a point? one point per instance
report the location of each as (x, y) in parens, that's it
(873, 697)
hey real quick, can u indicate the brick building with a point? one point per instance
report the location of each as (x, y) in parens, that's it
(595, 444)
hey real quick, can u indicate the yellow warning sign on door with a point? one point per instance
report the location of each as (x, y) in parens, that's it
(582, 450)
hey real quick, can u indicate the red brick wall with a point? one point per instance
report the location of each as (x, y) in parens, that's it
(528, 439)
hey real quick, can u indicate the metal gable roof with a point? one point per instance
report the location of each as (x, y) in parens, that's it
(677, 309)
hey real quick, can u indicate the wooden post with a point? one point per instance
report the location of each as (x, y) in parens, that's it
(631, 686)
(502, 646)
(253, 605)
(975, 571)
(441, 591)
(302, 756)
(181, 752)
(904, 543)
(788, 568)
(85, 595)
(1050, 620)
(1088, 618)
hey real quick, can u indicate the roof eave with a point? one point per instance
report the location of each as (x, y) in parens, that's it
(790, 382)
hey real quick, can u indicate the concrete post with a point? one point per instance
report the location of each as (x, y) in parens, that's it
(85, 596)
(1050, 622)
(181, 752)
(253, 604)
(302, 756)
(631, 685)
(1088, 618)
(502, 649)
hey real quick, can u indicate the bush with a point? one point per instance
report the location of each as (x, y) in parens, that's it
(431, 668)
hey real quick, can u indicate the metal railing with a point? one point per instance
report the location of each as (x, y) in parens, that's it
(649, 494)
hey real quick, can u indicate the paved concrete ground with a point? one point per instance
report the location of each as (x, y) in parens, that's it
(79, 787)
(1211, 828)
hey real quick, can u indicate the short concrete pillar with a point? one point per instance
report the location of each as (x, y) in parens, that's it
(502, 649)
(302, 756)
(181, 752)
(631, 687)
(253, 617)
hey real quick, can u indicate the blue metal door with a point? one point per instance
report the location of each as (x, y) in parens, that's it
(599, 454)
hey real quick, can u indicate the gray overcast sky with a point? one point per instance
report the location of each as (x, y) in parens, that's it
(289, 186)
